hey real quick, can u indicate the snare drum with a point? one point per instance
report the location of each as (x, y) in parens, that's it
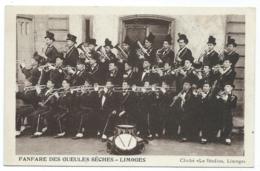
(125, 129)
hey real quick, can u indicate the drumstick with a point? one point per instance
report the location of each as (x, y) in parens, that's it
(121, 140)
(106, 124)
(130, 141)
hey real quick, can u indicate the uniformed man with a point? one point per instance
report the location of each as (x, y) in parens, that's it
(227, 103)
(71, 55)
(66, 105)
(206, 112)
(95, 71)
(147, 74)
(205, 75)
(167, 75)
(148, 52)
(183, 53)
(143, 104)
(183, 103)
(56, 72)
(114, 74)
(47, 108)
(107, 110)
(50, 51)
(87, 104)
(128, 101)
(210, 57)
(129, 75)
(26, 103)
(106, 52)
(128, 48)
(165, 54)
(231, 53)
(79, 75)
(32, 73)
(186, 72)
(224, 75)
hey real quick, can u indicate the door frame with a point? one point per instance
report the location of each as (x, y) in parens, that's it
(122, 28)
(31, 18)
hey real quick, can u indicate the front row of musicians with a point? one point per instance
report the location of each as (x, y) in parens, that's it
(194, 112)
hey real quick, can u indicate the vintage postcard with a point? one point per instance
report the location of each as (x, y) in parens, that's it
(129, 86)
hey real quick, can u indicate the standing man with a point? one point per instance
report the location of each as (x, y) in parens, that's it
(210, 57)
(147, 52)
(108, 102)
(50, 52)
(184, 53)
(231, 53)
(227, 102)
(71, 55)
(165, 54)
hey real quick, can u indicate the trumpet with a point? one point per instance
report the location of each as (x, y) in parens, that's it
(221, 94)
(82, 87)
(46, 67)
(159, 54)
(33, 88)
(217, 67)
(66, 68)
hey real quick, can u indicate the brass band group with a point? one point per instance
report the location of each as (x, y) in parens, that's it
(88, 89)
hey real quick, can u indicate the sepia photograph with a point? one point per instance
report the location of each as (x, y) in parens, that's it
(132, 82)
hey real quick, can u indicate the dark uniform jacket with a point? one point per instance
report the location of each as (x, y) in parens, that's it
(168, 56)
(52, 53)
(88, 101)
(206, 78)
(116, 77)
(211, 59)
(233, 57)
(57, 76)
(168, 77)
(227, 78)
(111, 102)
(96, 74)
(184, 54)
(143, 76)
(71, 57)
(152, 55)
(48, 99)
(32, 75)
(79, 78)
(66, 102)
(130, 77)
(27, 98)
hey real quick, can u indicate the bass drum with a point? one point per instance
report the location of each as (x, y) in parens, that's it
(125, 144)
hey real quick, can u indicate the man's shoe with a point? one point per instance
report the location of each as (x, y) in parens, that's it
(60, 135)
(78, 136)
(203, 141)
(36, 135)
(228, 141)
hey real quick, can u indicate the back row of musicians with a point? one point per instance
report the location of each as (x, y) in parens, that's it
(87, 88)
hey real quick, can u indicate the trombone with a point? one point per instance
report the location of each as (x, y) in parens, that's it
(33, 88)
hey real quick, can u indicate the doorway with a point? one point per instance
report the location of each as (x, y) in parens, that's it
(137, 27)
